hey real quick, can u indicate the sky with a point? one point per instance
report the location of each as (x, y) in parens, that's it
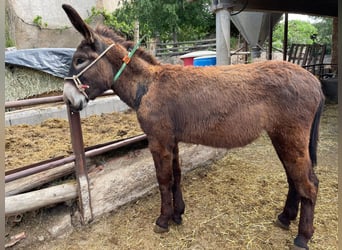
(301, 18)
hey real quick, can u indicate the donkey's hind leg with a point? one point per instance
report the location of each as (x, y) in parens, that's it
(303, 183)
(178, 202)
(291, 207)
(308, 202)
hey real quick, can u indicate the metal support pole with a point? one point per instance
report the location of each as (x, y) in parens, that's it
(223, 37)
(222, 9)
(270, 40)
(80, 166)
(246, 50)
(286, 29)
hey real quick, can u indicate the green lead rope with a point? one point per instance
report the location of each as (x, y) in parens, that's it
(127, 59)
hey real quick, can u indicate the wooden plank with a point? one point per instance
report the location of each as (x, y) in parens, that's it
(188, 42)
(179, 48)
(121, 180)
(305, 59)
(30, 182)
(300, 54)
(185, 48)
(124, 179)
(290, 58)
(21, 203)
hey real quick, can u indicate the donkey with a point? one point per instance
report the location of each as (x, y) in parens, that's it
(221, 106)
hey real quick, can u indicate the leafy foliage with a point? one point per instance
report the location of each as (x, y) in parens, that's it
(9, 41)
(298, 32)
(169, 20)
(38, 20)
(324, 27)
(111, 20)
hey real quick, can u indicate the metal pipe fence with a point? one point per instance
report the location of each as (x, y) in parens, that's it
(79, 154)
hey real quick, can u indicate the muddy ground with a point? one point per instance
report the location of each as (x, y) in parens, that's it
(229, 205)
(28, 144)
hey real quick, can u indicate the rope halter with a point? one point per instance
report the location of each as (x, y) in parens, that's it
(82, 87)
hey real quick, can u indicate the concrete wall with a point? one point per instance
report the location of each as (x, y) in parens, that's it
(57, 32)
(36, 115)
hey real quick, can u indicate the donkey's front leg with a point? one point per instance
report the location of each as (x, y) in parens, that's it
(162, 157)
(291, 206)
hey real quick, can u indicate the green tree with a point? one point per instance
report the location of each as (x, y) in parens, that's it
(170, 20)
(298, 32)
(324, 27)
(195, 20)
(111, 20)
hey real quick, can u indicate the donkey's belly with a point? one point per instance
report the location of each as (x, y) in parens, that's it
(229, 138)
(226, 131)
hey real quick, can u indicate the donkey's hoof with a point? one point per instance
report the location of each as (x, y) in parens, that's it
(177, 220)
(300, 243)
(295, 247)
(159, 230)
(281, 225)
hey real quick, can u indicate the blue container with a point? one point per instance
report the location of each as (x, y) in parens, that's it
(205, 61)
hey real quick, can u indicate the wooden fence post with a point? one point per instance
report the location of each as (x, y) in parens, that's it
(80, 166)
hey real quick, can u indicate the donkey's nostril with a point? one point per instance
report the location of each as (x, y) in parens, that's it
(80, 106)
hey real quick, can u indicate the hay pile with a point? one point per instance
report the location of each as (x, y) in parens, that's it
(23, 82)
(229, 205)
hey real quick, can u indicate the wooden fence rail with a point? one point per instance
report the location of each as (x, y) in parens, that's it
(180, 48)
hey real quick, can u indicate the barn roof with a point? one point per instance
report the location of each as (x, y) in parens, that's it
(309, 7)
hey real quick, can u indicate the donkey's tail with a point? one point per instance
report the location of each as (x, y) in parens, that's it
(314, 133)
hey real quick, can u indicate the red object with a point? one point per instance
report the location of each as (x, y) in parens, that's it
(188, 61)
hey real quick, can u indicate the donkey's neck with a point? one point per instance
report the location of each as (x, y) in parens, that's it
(134, 82)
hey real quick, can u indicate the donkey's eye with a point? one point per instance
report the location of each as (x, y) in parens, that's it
(80, 61)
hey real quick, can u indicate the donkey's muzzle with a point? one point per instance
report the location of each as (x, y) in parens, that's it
(73, 97)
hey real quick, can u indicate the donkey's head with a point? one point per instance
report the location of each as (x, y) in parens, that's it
(92, 69)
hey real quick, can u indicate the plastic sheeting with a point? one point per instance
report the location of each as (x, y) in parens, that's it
(54, 61)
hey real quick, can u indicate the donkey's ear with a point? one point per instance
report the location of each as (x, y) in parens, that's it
(78, 23)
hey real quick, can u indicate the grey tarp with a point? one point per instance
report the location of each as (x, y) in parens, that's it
(54, 61)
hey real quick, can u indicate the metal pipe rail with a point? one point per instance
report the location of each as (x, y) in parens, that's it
(41, 100)
(33, 101)
(15, 174)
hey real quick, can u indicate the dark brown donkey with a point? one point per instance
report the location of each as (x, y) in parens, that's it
(223, 106)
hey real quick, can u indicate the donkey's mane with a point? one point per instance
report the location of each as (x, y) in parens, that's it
(113, 35)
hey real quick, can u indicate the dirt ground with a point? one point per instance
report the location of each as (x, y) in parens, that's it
(231, 204)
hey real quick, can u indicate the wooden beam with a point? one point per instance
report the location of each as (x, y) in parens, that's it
(41, 198)
(30, 182)
(121, 180)
(309, 7)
